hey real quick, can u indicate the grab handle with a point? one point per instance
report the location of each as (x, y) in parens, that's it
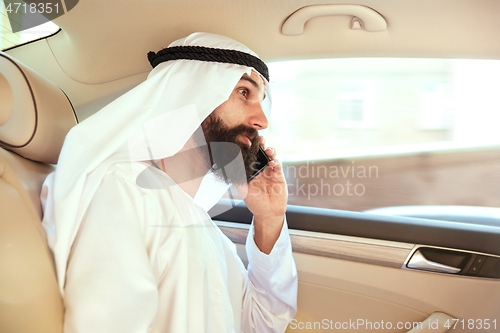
(371, 20)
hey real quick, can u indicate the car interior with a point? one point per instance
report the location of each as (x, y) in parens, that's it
(376, 261)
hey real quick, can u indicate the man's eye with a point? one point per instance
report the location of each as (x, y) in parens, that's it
(243, 91)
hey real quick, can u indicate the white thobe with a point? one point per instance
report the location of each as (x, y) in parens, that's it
(151, 260)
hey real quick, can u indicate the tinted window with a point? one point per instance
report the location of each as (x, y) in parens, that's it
(358, 134)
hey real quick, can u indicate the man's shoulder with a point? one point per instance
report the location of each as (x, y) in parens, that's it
(120, 193)
(133, 179)
(139, 174)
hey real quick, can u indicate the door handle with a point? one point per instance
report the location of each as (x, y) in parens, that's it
(419, 261)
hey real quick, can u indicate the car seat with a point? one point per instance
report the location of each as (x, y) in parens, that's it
(35, 116)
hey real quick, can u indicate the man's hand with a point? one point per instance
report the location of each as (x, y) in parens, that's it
(267, 199)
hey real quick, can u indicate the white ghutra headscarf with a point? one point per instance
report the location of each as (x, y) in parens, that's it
(151, 122)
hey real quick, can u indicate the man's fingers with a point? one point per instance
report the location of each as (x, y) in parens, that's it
(271, 152)
(277, 166)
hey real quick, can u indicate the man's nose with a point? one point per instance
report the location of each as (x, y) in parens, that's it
(258, 118)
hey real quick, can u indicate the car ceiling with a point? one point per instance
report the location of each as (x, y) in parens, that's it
(103, 41)
(106, 40)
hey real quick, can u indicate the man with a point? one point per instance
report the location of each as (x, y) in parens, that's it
(134, 249)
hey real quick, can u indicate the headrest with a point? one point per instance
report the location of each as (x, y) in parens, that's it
(35, 115)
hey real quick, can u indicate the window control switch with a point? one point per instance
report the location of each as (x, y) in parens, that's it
(476, 266)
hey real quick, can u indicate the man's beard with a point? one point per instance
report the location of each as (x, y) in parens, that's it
(216, 131)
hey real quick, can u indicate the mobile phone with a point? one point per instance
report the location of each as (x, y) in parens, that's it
(260, 165)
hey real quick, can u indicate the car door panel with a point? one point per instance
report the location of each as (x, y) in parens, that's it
(365, 281)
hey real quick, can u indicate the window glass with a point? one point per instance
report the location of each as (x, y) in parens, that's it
(364, 133)
(9, 39)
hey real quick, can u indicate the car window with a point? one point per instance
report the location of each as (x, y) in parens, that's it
(366, 133)
(10, 39)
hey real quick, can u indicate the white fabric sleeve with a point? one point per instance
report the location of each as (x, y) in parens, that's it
(110, 286)
(270, 290)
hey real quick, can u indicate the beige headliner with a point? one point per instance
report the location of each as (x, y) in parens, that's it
(105, 41)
